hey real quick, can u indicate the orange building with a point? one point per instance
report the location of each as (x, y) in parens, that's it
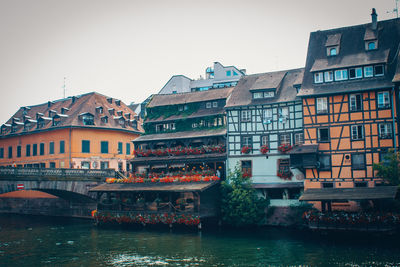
(349, 107)
(88, 131)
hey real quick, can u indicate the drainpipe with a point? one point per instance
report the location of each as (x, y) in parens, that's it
(70, 146)
(394, 94)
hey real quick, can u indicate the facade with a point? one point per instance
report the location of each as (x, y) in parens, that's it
(350, 100)
(264, 121)
(89, 131)
(184, 132)
(218, 76)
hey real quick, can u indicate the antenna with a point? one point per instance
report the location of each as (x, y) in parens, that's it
(64, 86)
(396, 9)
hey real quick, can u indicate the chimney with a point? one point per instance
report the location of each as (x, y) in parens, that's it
(374, 18)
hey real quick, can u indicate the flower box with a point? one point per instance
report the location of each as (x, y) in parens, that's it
(264, 149)
(246, 150)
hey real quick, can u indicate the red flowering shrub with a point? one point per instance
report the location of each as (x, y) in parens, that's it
(284, 148)
(264, 149)
(246, 150)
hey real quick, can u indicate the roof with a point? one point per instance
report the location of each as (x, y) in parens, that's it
(304, 149)
(352, 52)
(282, 82)
(192, 97)
(199, 113)
(356, 193)
(180, 135)
(158, 187)
(73, 109)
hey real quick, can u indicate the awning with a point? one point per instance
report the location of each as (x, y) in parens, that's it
(304, 149)
(159, 187)
(357, 193)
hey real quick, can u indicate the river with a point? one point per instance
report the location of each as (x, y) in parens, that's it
(49, 241)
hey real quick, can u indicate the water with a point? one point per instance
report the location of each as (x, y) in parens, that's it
(46, 241)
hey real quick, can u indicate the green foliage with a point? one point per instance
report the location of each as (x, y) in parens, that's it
(240, 204)
(171, 110)
(389, 170)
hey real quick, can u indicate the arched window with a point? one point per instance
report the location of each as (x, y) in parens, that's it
(333, 52)
(371, 46)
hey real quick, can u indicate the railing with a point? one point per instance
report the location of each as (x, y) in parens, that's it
(10, 172)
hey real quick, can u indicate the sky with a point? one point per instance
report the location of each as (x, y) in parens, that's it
(130, 49)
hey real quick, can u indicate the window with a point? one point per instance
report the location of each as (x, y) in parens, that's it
(215, 104)
(318, 77)
(283, 113)
(372, 45)
(34, 149)
(85, 146)
(328, 76)
(355, 102)
(208, 105)
(235, 73)
(10, 152)
(327, 185)
(368, 71)
(269, 94)
(104, 147)
(333, 51)
(385, 130)
(159, 127)
(267, 115)
(358, 161)
(323, 134)
(383, 100)
(1, 153)
(264, 140)
(322, 105)
(228, 73)
(52, 164)
(51, 148)
(19, 151)
(357, 132)
(85, 165)
(355, 73)
(324, 162)
(104, 165)
(119, 147)
(28, 150)
(246, 115)
(284, 139)
(128, 149)
(88, 119)
(360, 184)
(246, 168)
(41, 149)
(247, 141)
(340, 75)
(42, 165)
(258, 95)
(378, 70)
(62, 147)
(298, 139)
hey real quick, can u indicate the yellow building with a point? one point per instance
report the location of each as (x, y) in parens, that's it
(88, 131)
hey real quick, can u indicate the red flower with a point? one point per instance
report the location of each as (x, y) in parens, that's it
(264, 149)
(246, 149)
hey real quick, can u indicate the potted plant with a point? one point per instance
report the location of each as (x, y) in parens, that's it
(246, 150)
(264, 149)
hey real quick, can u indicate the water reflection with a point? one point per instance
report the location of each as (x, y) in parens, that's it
(43, 241)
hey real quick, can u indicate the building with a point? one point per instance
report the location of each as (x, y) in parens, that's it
(184, 132)
(264, 121)
(350, 97)
(218, 76)
(89, 131)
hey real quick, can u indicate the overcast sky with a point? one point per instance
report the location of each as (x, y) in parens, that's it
(130, 49)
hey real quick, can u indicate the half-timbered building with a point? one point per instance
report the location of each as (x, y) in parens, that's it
(349, 106)
(184, 133)
(264, 122)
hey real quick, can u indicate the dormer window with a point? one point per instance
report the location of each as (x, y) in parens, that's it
(40, 123)
(104, 119)
(99, 109)
(332, 51)
(228, 73)
(340, 75)
(208, 105)
(371, 46)
(368, 71)
(134, 124)
(328, 76)
(64, 110)
(87, 119)
(128, 115)
(56, 120)
(355, 73)
(27, 126)
(318, 77)
(118, 102)
(378, 70)
(111, 111)
(109, 100)
(14, 128)
(180, 108)
(263, 94)
(258, 95)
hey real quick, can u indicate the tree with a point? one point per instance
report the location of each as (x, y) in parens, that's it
(389, 169)
(240, 204)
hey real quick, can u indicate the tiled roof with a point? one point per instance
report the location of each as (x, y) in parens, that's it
(352, 52)
(192, 97)
(282, 81)
(74, 108)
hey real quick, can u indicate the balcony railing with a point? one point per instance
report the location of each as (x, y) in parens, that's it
(54, 173)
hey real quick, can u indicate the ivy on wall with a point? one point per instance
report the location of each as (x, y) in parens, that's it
(171, 110)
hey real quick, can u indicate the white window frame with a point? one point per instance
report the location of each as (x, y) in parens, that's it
(341, 75)
(322, 105)
(245, 115)
(298, 138)
(215, 104)
(355, 134)
(318, 77)
(258, 95)
(265, 140)
(267, 115)
(368, 71)
(385, 131)
(208, 105)
(386, 99)
(284, 139)
(358, 73)
(353, 102)
(269, 94)
(328, 75)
